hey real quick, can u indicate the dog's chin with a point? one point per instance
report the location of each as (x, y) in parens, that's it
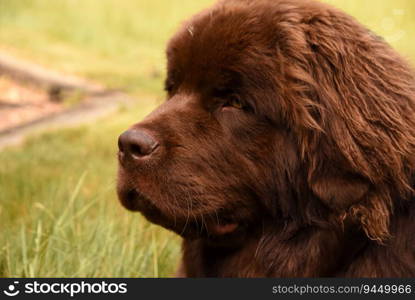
(187, 227)
(133, 200)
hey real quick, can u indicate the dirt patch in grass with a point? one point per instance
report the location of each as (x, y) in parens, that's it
(20, 104)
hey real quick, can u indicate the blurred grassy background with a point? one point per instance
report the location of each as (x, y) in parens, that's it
(117, 42)
(58, 208)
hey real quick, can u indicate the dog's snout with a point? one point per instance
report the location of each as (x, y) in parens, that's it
(136, 144)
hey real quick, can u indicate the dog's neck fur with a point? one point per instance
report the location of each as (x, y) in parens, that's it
(307, 252)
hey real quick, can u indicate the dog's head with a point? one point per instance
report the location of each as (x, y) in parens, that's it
(276, 110)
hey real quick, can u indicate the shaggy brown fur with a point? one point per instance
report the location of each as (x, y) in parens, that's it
(286, 147)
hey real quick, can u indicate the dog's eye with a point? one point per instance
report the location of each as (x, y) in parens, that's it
(234, 102)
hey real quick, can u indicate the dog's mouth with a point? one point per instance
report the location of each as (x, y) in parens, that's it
(211, 226)
(221, 229)
(132, 199)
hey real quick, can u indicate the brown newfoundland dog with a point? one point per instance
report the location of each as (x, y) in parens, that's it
(286, 146)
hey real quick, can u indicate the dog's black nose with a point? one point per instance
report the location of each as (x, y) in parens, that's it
(136, 144)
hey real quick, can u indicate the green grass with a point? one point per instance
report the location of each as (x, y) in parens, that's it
(118, 42)
(60, 215)
(58, 208)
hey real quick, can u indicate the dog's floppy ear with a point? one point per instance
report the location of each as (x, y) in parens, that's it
(339, 192)
(352, 198)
